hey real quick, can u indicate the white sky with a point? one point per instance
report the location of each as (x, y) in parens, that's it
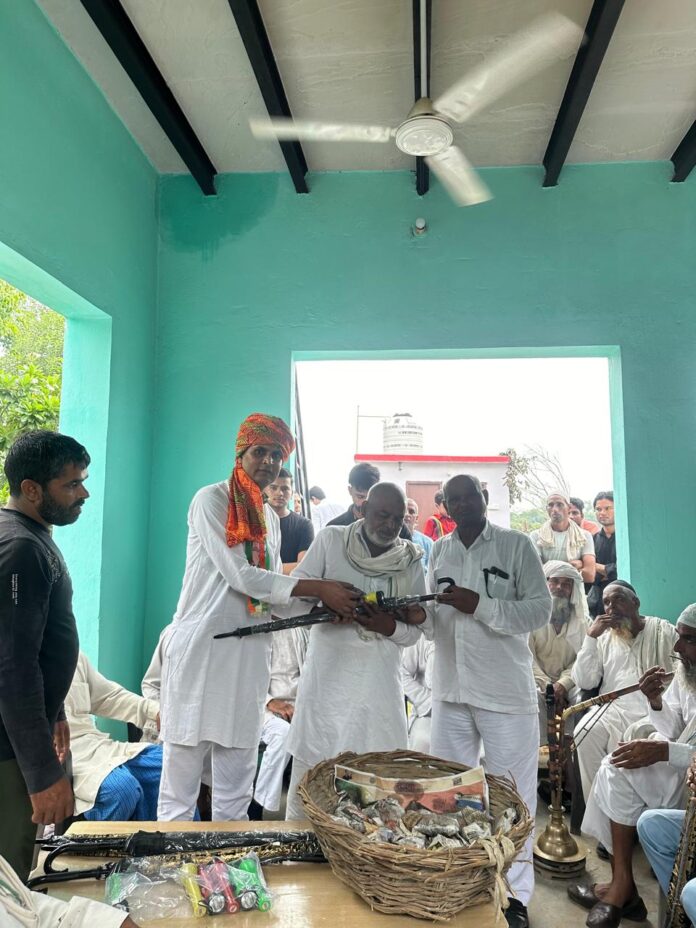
(466, 407)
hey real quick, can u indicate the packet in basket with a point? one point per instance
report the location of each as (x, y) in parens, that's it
(438, 794)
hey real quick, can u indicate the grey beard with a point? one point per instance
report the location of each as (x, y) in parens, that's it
(376, 540)
(560, 611)
(687, 677)
(623, 629)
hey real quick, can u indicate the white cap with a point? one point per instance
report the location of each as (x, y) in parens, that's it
(688, 616)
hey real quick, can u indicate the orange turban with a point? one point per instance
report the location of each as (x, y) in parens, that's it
(245, 518)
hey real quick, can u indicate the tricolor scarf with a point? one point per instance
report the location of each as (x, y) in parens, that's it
(246, 522)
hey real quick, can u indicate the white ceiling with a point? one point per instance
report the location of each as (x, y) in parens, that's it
(352, 60)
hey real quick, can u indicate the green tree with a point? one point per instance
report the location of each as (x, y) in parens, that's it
(516, 473)
(528, 521)
(31, 362)
(530, 476)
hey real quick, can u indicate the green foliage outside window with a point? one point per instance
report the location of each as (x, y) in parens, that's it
(31, 363)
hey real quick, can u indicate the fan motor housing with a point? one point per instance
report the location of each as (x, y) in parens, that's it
(424, 135)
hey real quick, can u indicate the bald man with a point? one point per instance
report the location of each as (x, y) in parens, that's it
(484, 694)
(350, 696)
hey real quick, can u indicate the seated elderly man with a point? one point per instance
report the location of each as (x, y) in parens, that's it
(112, 780)
(560, 539)
(288, 650)
(350, 696)
(555, 646)
(620, 646)
(660, 832)
(417, 678)
(640, 774)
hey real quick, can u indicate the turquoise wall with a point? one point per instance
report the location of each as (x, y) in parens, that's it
(184, 314)
(78, 230)
(606, 258)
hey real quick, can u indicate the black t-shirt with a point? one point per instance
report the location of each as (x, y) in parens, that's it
(605, 553)
(38, 646)
(296, 534)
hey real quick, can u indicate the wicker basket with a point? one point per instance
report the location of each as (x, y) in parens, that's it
(431, 884)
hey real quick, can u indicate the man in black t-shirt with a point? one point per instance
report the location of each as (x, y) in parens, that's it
(46, 472)
(296, 532)
(605, 551)
(361, 479)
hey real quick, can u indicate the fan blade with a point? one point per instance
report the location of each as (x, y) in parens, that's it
(318, 131)
(459, 177)
(546, 40)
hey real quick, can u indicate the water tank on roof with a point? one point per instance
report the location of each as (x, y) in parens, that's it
(402, 435)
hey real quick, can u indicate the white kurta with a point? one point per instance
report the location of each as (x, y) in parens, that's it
(559, 550)
(417, 678)
(614, 663)
(287, 657)
(554, 655)
(350, 696)
(215, 690)
(484, 695)
(621, 795)
(22, 908)
(553, 659)
(325, 512)
(484, 660)
(151, 683)
(94, 753)
(417, 675)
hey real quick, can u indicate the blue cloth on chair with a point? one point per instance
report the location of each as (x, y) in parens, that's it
(130, 791)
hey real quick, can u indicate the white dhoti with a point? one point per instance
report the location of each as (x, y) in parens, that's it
(294, 809)
(232, 781)
(269, 782)
(595, 740)
(510, 743)
(621, 795)
(419, 734)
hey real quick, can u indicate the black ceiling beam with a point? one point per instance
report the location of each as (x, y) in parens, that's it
(598, 32)
(684, 158)
(258, 48)
(122, 37)
(422, 171)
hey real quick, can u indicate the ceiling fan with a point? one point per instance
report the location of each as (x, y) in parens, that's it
(427, 131)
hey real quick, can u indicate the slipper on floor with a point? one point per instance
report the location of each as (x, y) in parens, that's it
(583, 894)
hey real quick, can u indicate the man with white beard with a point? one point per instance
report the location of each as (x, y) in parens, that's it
(641, 774)
(555, 646)
(620, 646)
(350, 696)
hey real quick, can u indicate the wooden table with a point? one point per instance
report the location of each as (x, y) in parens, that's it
(304, 895)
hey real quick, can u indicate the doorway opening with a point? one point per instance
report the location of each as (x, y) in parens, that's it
(82, 410)
(526, 423)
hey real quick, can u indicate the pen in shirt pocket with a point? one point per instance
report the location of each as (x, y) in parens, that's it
(494, 572)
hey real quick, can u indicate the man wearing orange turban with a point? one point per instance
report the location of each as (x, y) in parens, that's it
(214, 692)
